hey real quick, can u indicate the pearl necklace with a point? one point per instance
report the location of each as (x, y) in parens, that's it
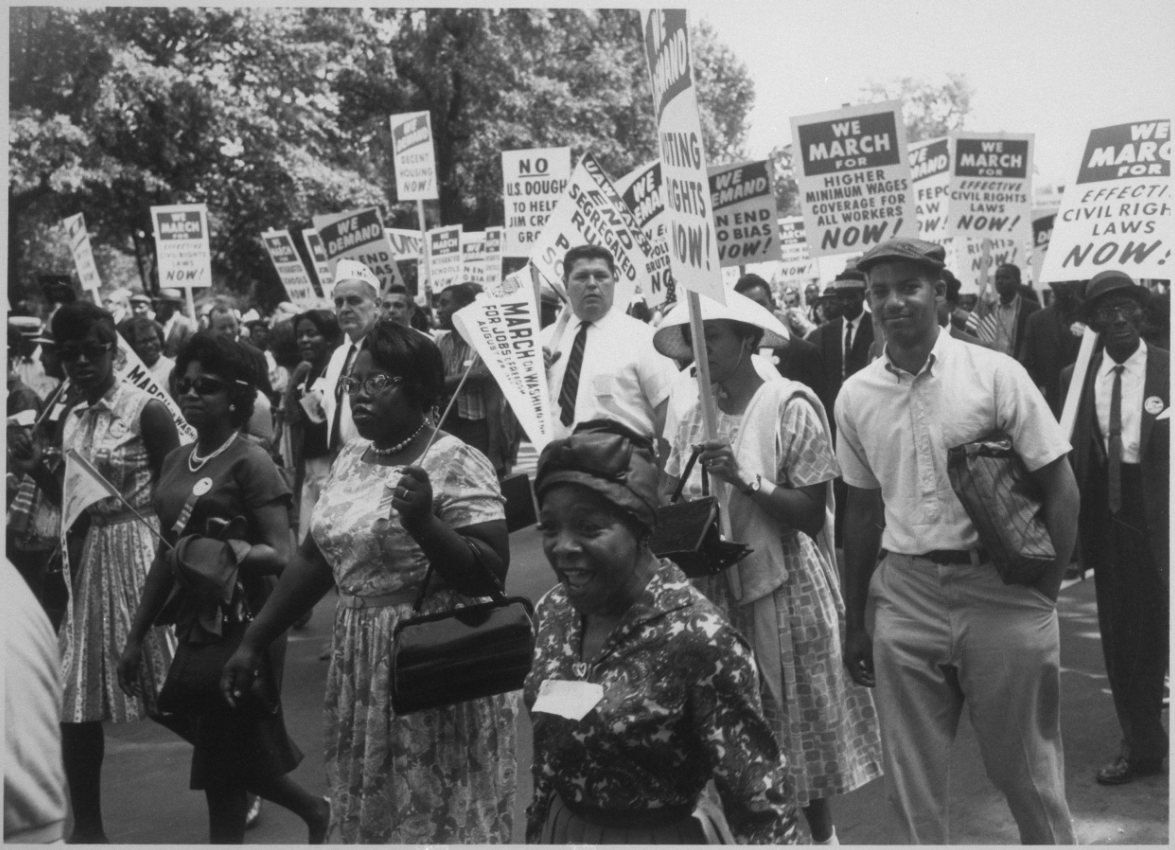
(391, 450)
(196, 463)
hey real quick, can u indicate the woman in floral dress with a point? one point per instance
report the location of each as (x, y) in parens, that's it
(774, 456)
(443, 776)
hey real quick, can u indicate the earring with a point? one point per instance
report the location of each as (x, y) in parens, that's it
(232, 408)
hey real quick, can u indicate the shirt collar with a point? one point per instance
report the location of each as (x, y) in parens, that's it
(942, 347)
(107, 402)
(601, 322)
(1134, 363)
(1011, 305)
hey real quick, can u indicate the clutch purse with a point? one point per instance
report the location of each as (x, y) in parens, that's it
(441, 659)
(688, 534)
(1006, 506)
(193, 680)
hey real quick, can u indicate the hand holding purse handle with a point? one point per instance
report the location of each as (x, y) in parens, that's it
(494, 584)
(689, 467)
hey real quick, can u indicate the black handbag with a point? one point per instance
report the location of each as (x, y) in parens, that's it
(688, 534)
(467, 653)
(193, 680)
(1005, 504)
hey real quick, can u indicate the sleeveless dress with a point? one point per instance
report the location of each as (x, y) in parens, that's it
(116, 557)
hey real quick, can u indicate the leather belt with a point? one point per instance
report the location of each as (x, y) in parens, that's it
(383, 600)
(955, 556)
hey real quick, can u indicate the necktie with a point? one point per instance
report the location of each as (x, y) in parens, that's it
(336, 438)
(848, 348)
(570, 388)
(1115, 470)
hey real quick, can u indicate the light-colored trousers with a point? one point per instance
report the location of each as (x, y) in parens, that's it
(949, 636)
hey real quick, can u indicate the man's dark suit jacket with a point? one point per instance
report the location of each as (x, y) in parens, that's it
(829, 340)
(800, 361)
(1027, 308)
(1047, 348)
(1154, 452)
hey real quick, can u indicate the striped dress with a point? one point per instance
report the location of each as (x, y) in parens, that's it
(108, 582)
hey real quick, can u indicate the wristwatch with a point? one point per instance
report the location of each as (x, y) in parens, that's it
(753, 488)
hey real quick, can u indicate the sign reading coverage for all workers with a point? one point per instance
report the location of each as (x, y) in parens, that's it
(533, 181)
(317, 251)
(359, 235)
(744, 213)
(930, 172)
(854, 178)
(83, 256)
(445, 256)
(640, 190)
(505, 334)
(991, 187)
(693, 244)
(181, 245)
(1117, 213)
(416, 167)
(290, 269)
(591, 212)
(793, 247)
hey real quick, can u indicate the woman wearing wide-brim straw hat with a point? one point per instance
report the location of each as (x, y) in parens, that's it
(773, 454)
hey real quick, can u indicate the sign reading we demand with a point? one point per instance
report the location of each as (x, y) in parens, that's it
(854, 178)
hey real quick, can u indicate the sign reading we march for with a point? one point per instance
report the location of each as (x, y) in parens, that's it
(181, 245)
(416, 167)
(991, 187)
(854, 178)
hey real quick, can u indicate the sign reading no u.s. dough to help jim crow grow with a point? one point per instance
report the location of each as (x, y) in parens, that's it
(854, 178)
(533, 181)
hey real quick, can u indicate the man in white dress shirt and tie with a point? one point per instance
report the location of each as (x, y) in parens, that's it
(356, 297)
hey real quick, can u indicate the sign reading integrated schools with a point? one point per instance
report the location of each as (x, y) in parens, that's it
(744, 213)
(293, 274)
(693, 244)
(854, 178)
(1117, 213)
(359, 235)
(930, 171)
(532, 183)
(181, 245)
(83, 256)
(640, 190)
(991, 187)
(416, 167)
(445, 256)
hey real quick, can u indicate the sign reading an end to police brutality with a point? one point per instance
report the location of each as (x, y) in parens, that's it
(1117, 213)
(83, 255)
(640, 190)
(181, 245)
(533, 181)
(854, 178)
(290, 269)
(991, 187)
(930, 171)
(416, 167)
(359, 235)
(744, 213)
(693, 244)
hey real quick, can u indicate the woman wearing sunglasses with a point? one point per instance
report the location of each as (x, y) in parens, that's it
(125, 435)
(224, 480)
(388, 510)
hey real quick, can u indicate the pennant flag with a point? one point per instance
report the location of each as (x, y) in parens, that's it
(82, 487)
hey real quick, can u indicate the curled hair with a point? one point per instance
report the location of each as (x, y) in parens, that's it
(751, 281)
(75, 320)
(587, 252)
(134, 324)
(325, 321)
(228, 360)
(411, 355)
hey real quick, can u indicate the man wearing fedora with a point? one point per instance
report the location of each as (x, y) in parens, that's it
(176, 326)
(1121, 451)
(844, 341)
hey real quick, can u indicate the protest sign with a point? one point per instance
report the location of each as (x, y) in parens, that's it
(591, 212)
(405, 243)
(930, 172)
(359, 235)
(640, 190)
(83, 256)
(1042, 231)
(416, 167)
(744, 213)
(991, 188)
(532, 183)
(445, 256)
(1117, 213)
(793, 245)
(472, 246)
(965, 259)
(317, 251)
(130, 368)
(505, 334)
(491, 255)
(693, 244)
(854, 178)
(181, 245)
(293, 274)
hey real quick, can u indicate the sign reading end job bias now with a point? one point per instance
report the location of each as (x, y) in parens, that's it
(744, 212)
(854, 178)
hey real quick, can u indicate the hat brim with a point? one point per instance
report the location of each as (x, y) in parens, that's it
(1134, 290)
(670, 340)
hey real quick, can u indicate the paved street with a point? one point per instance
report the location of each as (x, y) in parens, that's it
(146, 796)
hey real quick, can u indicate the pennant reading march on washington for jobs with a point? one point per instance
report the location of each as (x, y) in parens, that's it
(416, 167)
(744, 213)
(294, 277)
(359, 235)
(182, 245)
(991, 188)
(854, 178)
(318, 259)
(930, 172)
(83, 256)
(640, 190)
(532, 182)
(693, 244)
(1117, 212)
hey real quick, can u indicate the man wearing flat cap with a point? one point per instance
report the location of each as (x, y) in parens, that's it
(1121, 455)
(946, 631)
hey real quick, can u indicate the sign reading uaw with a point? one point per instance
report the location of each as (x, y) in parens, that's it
(416, 167)
(854, 178)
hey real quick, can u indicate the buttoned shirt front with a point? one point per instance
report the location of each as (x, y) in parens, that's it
(1133, 380)
(894, 430)
(622, 377)
(1006, 314)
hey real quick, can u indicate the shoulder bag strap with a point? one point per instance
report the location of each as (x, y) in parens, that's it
(497, 592)
(689, 466)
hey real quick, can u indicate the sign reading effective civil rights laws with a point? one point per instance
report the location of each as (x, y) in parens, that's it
(359, 235)
(83, 256)
(182, 245)
(291, 270)
(416, 167)
(532, 182)
(744, 213)
(991, 187)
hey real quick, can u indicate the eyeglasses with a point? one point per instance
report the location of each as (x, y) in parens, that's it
(203, 385)
(1125, 309)
(371, 385)
(92, 350)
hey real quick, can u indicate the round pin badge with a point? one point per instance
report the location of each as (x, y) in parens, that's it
(1153, 405)
(202, 486)
(117, 429)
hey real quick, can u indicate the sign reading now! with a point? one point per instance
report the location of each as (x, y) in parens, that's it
(182, 245)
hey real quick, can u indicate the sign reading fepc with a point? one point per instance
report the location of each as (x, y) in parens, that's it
(930, 169)
(416, 168)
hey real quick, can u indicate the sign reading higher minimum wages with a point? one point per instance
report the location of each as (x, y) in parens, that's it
(181, 245)
(854, 178)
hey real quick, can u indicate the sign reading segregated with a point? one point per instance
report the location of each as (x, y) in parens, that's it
(416, 167)
(83, 256)
(744, 213)
(930, 172)
(532, 183)
(182, 245)
(640, 190)
(322, 270)
(293, 274)
(1117, 213)
(854, 178)
(359, 235)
